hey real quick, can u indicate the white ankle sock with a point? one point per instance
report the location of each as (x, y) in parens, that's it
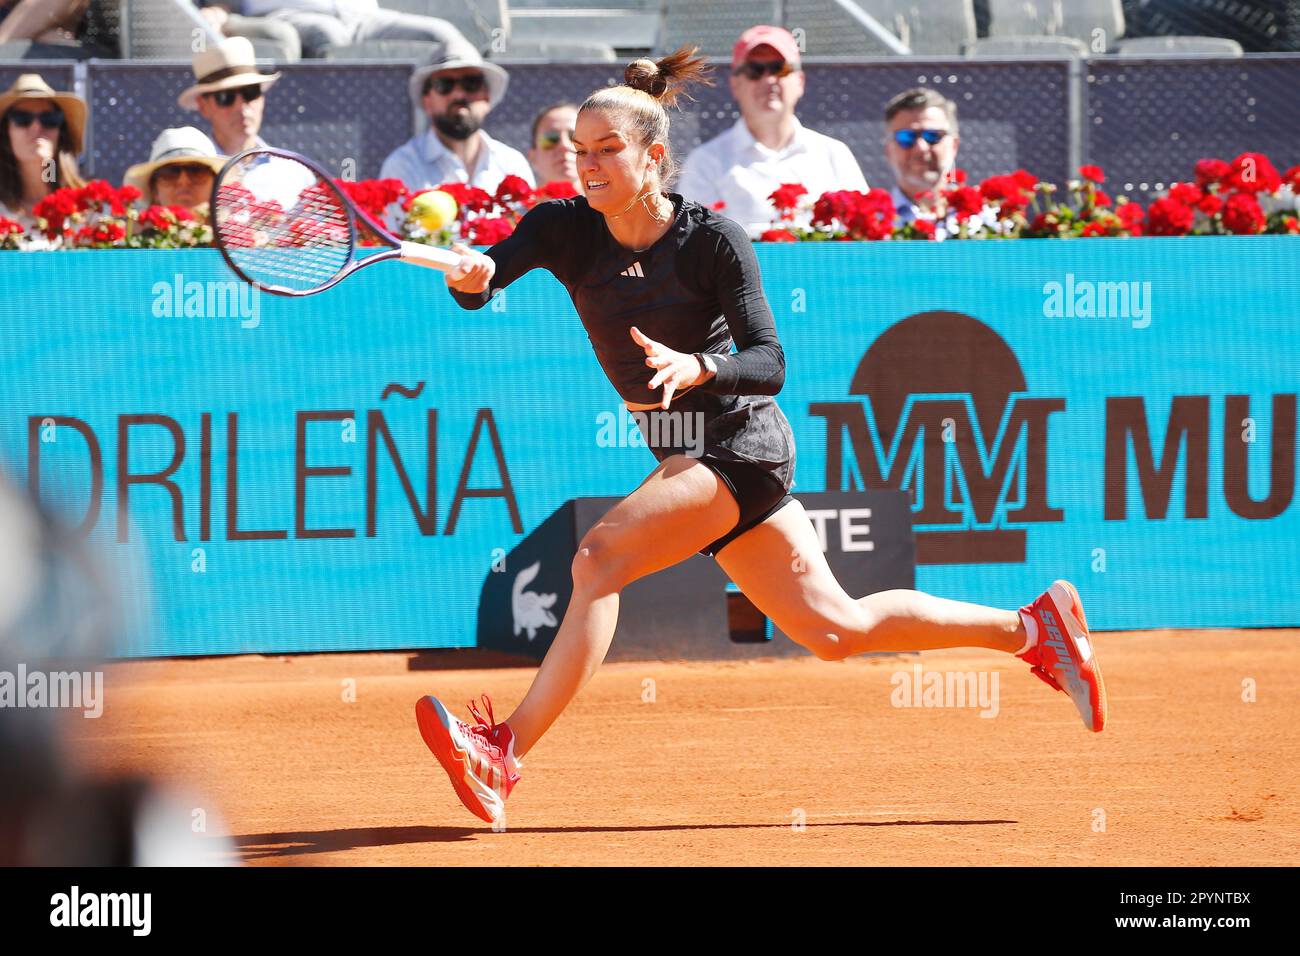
(1031, 632)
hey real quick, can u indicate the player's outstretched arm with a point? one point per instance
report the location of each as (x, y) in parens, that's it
(537, 243)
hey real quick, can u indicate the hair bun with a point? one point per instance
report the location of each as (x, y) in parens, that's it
(645, 75)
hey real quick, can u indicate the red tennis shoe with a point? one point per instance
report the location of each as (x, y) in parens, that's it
(1061, 652)
(480, 759)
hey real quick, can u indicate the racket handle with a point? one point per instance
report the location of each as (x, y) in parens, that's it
(432, 257)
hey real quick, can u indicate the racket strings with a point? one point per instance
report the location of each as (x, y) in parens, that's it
(301, 247)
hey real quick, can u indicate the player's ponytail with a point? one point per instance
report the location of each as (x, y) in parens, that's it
(669, 78)
(649, 87)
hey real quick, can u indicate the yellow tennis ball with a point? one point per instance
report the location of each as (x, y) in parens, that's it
(433, 211)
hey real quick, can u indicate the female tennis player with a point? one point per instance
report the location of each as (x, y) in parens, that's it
(664, 287)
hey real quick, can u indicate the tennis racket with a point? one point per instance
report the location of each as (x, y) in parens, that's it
(283, 225)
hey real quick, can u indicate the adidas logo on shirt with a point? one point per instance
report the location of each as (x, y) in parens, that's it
(634, 270)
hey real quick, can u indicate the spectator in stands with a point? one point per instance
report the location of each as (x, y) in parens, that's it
(40, 137)
(325, 25)
(456, 90)
(552, 153)
(228, 18)
(768, 145)
(45, 21)
(181, 168)
(921, 147)
(228, 94)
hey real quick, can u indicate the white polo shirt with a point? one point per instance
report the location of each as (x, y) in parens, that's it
(741, 172)
(423, 162)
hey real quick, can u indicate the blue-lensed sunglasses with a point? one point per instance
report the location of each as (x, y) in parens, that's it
(906, 138)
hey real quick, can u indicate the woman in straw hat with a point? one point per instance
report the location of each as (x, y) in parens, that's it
(40, 137)
(181, 168)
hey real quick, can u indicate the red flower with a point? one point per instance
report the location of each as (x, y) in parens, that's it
(965, 201)
(514, 189)
(1242, 215)
(786, 197)
(868, 215)
(10, 228)
(957, 176)
(1292, 178)
(374, 196)
(470, 199)
(924, 226)
(1131, 215)
(1169, 217)
(1092, 174)
(488, 232)
(1093, 229)
(1210, 204)
(1000, 188)
(1100, 199)
(1292, 224)
(156, 217)
(1210, 171)
(1027, 181)
(128, 194)
(559, 189)
(778, 235)
(1187, 193)
(1252, 173)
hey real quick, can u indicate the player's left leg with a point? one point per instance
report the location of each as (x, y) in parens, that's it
(779, 566)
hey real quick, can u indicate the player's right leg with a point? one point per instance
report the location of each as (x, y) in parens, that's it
(681, 507)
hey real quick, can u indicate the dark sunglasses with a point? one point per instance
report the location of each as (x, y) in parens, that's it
(50, 119)
(442, 85)
(226, 98)
(172, 172)
(906, 138)
(551, 138)
(756, 71)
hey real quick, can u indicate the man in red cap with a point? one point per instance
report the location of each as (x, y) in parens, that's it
(767, 146)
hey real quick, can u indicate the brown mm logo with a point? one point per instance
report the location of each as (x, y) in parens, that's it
(938, 357)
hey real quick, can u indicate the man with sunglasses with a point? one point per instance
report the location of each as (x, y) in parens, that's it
(228, 93)
(767, 146)
(456, 89)
(921, 147)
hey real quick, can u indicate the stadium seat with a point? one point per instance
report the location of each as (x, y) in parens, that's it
(1081, 19)
(627, 26)
(1179, 46)
(16, 50)
(1037, 46)
(164, 30)
(713, 25)
(488, 25)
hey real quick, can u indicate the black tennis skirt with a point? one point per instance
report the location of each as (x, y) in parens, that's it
(746, 439)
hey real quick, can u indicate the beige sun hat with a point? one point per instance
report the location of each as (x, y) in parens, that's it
(30, 86)
(454, 55)
(224, 66)
(182, 144)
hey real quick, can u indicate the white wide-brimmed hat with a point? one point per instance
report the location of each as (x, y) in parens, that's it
(30, 86)
(182, 144)
(224, 66)
(455, 55)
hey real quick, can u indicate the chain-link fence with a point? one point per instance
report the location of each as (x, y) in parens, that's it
(1146, 121)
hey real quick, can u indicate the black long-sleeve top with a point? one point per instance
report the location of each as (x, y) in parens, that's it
(697, 289)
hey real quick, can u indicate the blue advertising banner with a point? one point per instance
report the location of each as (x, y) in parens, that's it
(340, 472)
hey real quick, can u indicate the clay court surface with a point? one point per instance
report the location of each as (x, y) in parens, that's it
(728, 756)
